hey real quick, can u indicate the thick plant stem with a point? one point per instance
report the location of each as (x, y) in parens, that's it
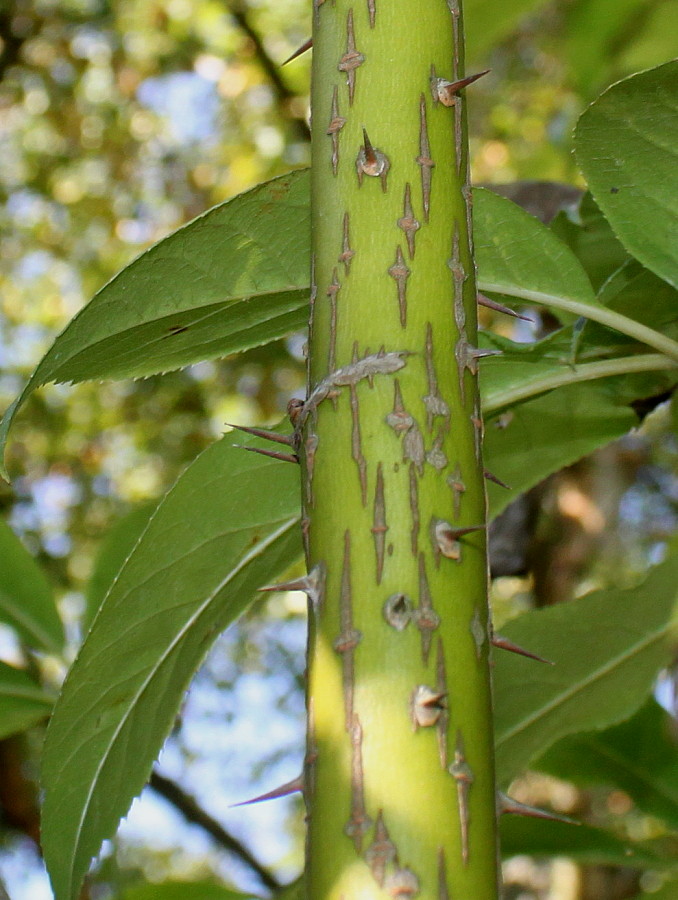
(399, 771)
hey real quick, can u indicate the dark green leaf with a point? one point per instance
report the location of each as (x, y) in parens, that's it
(26, 601)
(607, 648)
(229, 525)
(627, 147)
(588, 234)
(543, 435)
(586, 845)
(639, 756)
(22, 702)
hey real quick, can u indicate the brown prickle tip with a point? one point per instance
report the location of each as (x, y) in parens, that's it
(273, 454)
(506, 804)
(493, 478)
(446, 91)
(504, 644)
(397, 611)
(499, 307)
(290, 787)
(264, 433)
(298, 52)
(372, 162)
(402, 883)
(447, 537)
(426, 706)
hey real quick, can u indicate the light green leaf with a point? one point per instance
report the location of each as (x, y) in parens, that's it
(234, 278)
(26, 600)
(586, 845)
(225, 528)
(183, 890)
(22, 702)
(639, 756)
(518, 256)
(117, 546)
(627, 146)
(607, 648)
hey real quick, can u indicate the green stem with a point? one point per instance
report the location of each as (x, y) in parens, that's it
(600, 314)
(626, 365)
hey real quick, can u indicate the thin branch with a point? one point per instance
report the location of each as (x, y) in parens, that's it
(196, 815)
(284, 95)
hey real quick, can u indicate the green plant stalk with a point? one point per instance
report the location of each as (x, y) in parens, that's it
(399, 776)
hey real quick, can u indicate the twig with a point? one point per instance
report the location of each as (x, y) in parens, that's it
(194, 813)
(284, 95)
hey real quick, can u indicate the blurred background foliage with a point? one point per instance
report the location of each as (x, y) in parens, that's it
(121, 120)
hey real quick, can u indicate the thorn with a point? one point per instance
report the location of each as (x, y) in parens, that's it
(372, 162)
(263, 433)
(509, 805)
(426, 706)
(290, 787)
(499, 307)
(491, 477)
(447, 537)
(274, 454)
(446, 91)
(304, 47)
(504, 644)
(311, 584)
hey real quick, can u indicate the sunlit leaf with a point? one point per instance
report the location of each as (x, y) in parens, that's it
(117, 546)
(224, 529)
(627, 147)
(22, 702)
(26, 600)
(234, 278)
(516, 254)
(607, 648)
(639, 757)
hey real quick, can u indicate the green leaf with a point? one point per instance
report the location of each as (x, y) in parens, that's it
(607, 648)
(183, 890)
(229, 525)
(586, 845)
(639, 294)
(517, 255)
(22, 702)
(627, 146)
(588, 234)
(26, 600)
(640, 757)
(234, 278)
(116, 547)
(554, 430)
